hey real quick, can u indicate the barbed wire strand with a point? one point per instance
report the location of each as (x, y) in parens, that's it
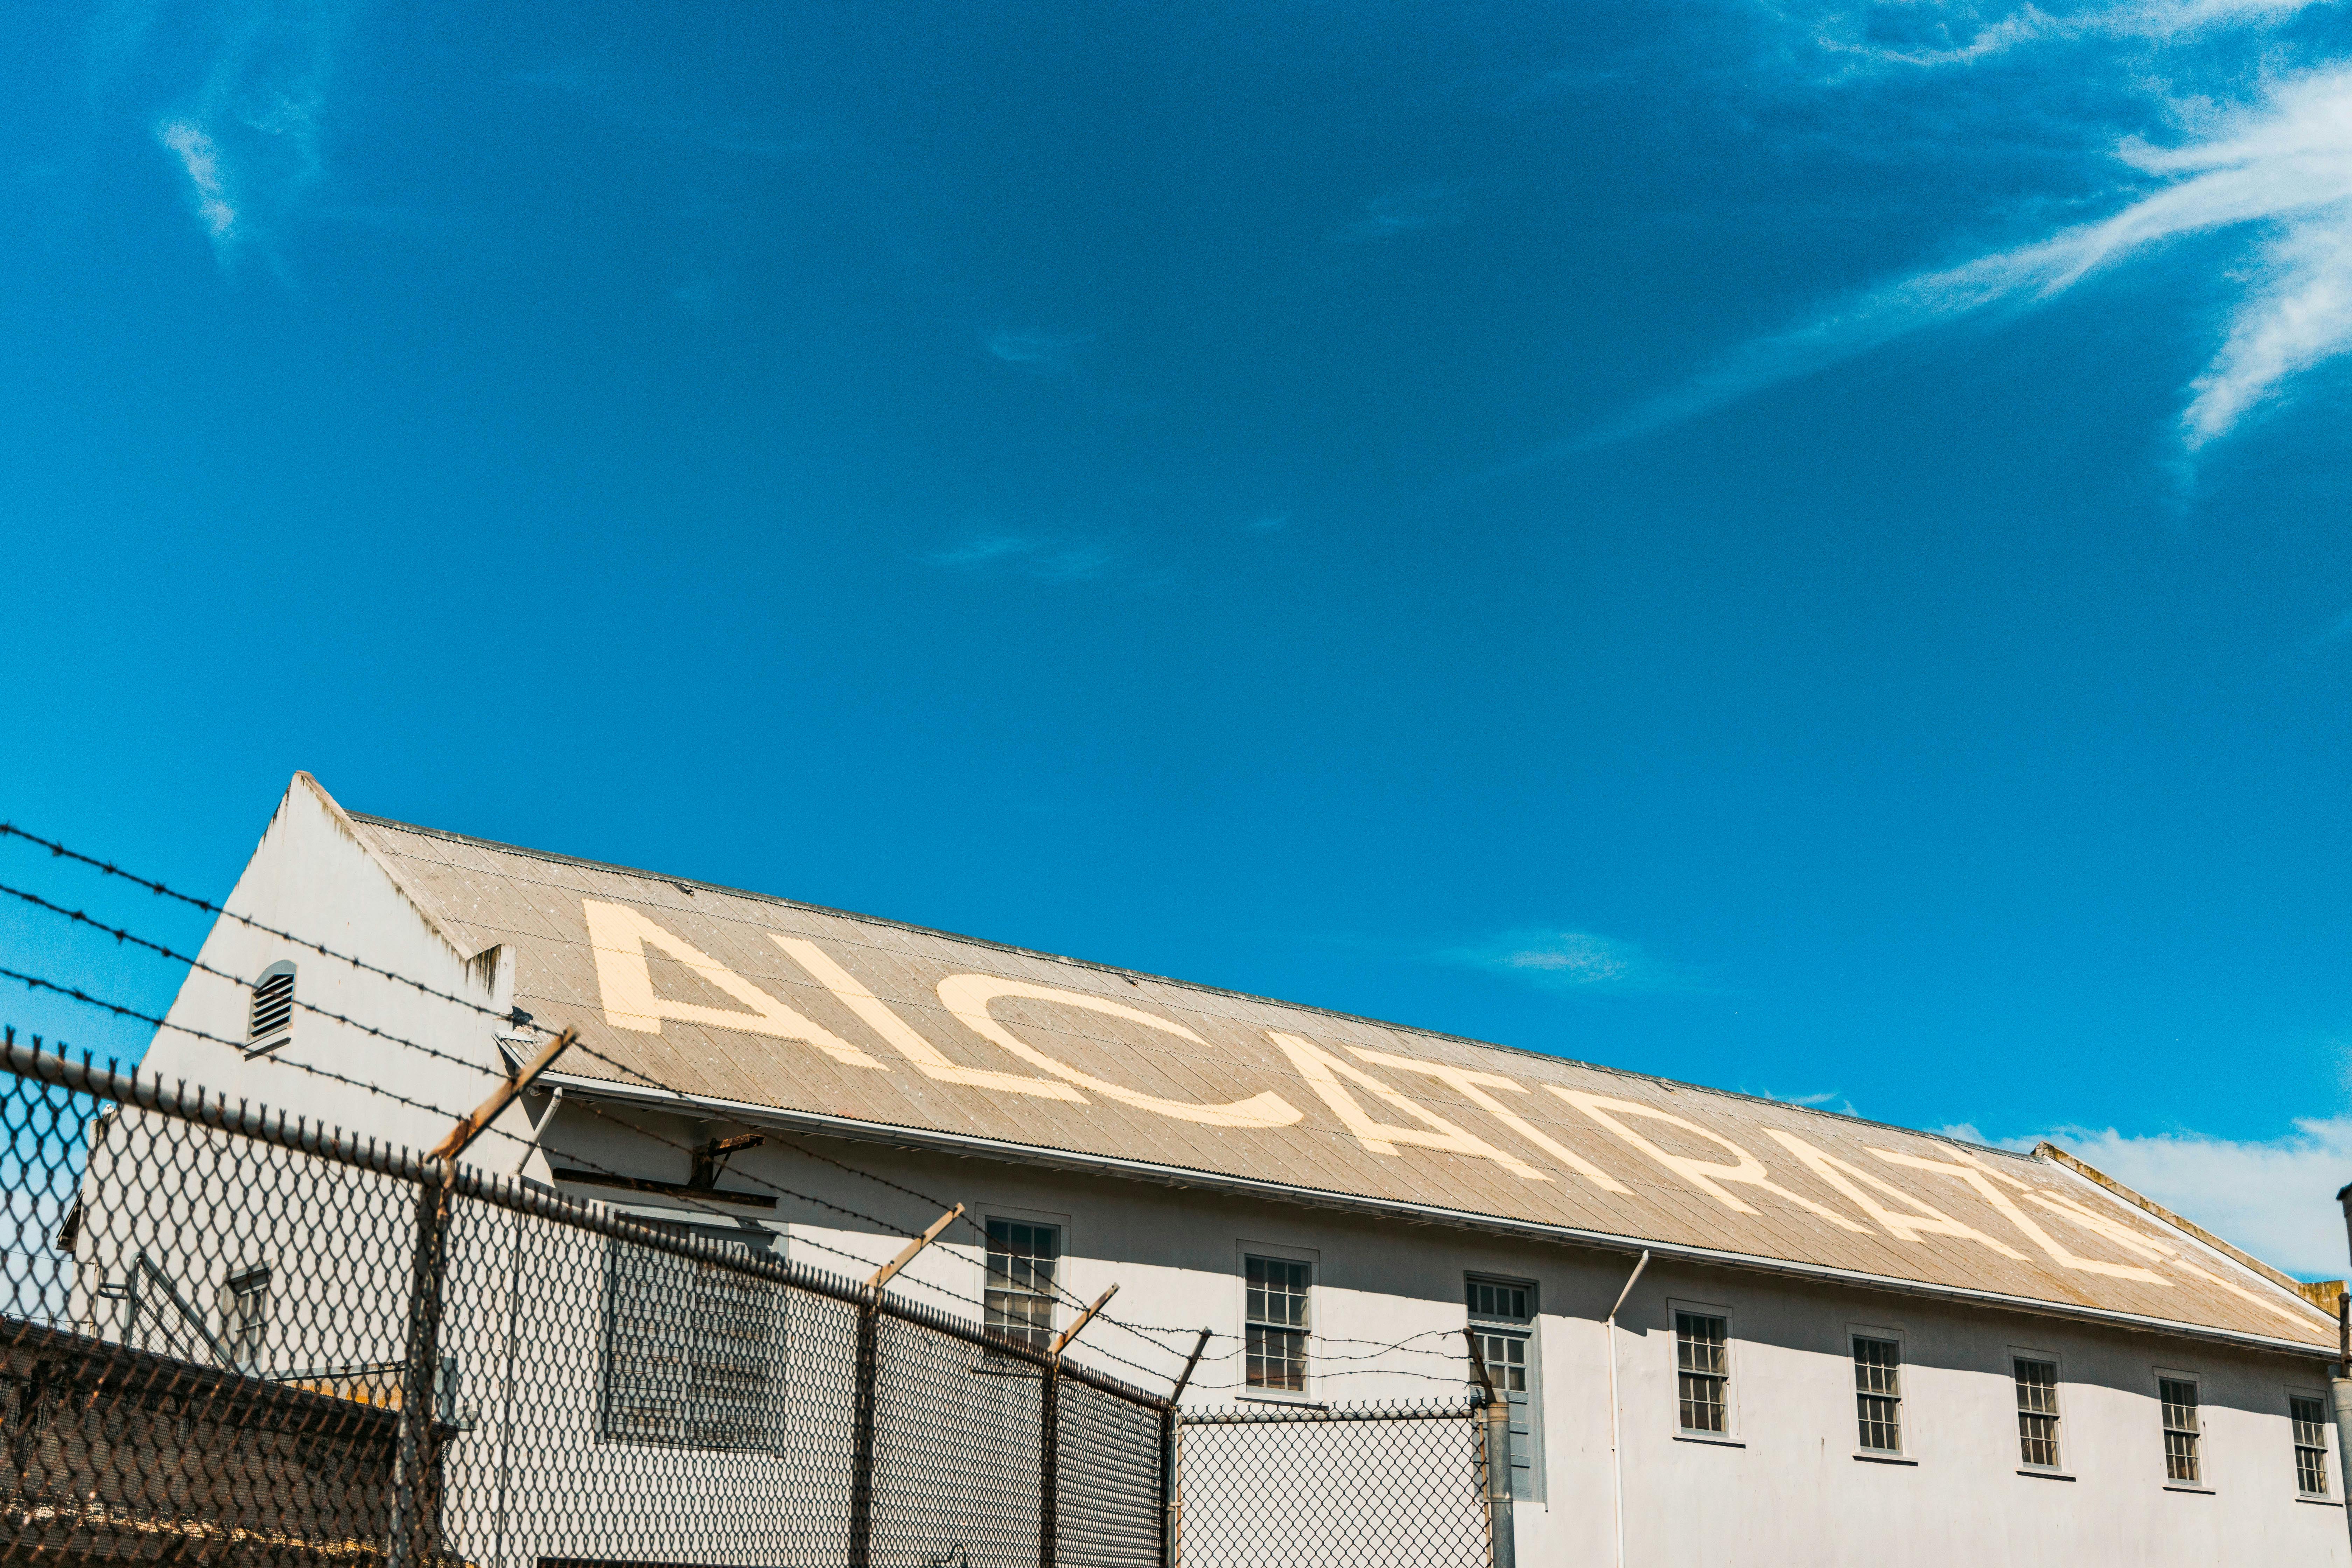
(108, 868)
(861, 1263)
(59, 851)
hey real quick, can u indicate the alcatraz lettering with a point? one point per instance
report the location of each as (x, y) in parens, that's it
(621, 938)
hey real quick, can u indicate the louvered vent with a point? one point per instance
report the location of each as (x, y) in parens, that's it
(273, 1010)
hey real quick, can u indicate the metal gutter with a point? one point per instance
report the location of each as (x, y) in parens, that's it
(929, 1141)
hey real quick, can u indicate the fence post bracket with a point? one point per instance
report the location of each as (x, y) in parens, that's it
(471, 1127)
(907, 1255)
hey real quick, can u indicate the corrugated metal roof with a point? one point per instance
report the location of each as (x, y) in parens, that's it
(758, 1001)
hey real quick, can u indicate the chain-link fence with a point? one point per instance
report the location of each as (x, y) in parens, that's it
(1365, 1486)
(239, 1340)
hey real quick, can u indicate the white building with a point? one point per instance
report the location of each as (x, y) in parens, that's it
(1849, 1343)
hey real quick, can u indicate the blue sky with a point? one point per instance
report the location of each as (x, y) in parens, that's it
(1798, 548)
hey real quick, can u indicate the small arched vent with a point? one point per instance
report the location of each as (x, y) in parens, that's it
(272, 1021)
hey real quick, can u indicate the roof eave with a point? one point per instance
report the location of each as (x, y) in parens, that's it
(931, 1141)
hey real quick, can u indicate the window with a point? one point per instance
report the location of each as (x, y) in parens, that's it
(1878, 1394)
(1703, 1362)
(244, 1317)
(693, 1352)
(2309, 1415)
(1277, 1323)
(2179, 1397)
(2037, 1412)
(270, 1024)
(1502, 1314)
(1022, 1261)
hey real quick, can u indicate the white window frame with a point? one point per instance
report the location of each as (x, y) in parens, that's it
(1730, 1434)
(1014, 1213)
(1530, 1331)
(1905, 1432)
(2328, 1467)
(2057, 1415)
(2203, 1483)
(1244, 1251)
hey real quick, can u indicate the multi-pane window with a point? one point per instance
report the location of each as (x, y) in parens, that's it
(2179, 1397)
(693, 1352)
(2309, 1415)
(1277, 1324)
(1878, 1394)
(2037, 1412)
(244, 1317)
(1502, 1316)
(1023, 1260)
(1703, 1368)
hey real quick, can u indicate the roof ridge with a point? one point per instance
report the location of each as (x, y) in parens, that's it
(1673, 1085)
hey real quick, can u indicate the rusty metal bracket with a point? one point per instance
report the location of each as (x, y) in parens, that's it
(907, 1255)
(711, 1158)
(1062, 1341)
(472, 1126)
(1191, 1361)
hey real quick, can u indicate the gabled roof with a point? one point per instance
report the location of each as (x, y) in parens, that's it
(817, 1017)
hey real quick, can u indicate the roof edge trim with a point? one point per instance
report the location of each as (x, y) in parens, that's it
(2285, 1282)
(1317, 1197)
(348, 823)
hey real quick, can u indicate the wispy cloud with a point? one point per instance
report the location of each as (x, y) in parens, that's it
(623, 98)
(1046, 559)
(1405, 210)
(1828, 1098)
(248, 140)
(1268, 523)
(2275, 1197)
(1900, 33)
(1569, 961)
(2337, 630)
(201, 160)
(1036, 350)
(2278, 166)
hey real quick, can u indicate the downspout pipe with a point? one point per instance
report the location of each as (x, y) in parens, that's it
(1616, 1459)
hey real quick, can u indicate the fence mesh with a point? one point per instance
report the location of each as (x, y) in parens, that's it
(1370, 1485)
(230, 1338)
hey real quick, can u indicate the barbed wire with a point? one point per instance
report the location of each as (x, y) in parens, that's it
(1143, 1331)
(122, 935)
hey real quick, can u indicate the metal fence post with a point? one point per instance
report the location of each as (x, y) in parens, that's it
(1049, 1466)
(416, 1492)
(861, 1462)
(1170, 1503)
(1502, 1539)
(1494, 1458)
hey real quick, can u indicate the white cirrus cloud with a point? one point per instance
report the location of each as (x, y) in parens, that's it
(1407, 209)
(1569, 961)
(247, 138)
(200, 159)
(1051, 559)
(2275, 1197)
(1901, 33)
(2280, 168)
(1034, 350)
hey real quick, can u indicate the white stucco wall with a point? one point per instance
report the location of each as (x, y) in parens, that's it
(1787, 1490)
